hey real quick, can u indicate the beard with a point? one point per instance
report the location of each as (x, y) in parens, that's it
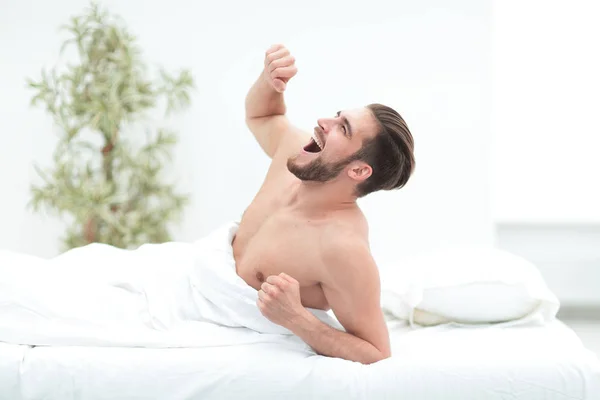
(317, 170)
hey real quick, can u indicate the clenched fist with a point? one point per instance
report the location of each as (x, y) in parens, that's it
(279, 300)
(280, 67)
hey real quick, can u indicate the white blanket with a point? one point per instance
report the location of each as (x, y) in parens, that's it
(159, 295)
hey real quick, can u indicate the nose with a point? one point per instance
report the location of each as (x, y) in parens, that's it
(325, 124)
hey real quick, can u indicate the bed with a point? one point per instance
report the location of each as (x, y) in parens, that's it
(138, 330)
(441, 362)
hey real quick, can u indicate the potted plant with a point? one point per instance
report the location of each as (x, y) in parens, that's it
(105, 179)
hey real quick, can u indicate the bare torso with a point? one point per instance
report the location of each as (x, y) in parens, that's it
(274, 237)
(307, 240)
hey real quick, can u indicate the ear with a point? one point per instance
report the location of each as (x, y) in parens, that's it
(360, 171)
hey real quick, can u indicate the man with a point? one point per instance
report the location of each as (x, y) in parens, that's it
(303, 241)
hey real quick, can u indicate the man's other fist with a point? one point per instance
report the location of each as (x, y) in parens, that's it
(280, 67)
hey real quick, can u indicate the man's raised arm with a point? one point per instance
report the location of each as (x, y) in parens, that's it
(265, 106)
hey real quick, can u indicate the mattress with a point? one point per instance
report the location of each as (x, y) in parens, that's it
(442, 362)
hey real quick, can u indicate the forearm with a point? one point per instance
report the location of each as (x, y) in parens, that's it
(331, 342)
(263, 100)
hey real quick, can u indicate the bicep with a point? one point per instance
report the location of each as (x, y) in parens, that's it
(275, 134)
(354, 297)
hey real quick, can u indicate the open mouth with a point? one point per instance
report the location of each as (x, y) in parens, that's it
(316, 144)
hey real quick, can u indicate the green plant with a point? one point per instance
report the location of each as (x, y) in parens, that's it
(107, 181)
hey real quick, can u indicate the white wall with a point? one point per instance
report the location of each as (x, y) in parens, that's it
(545, 140)
(568, 257)
(546, 136)
(430, 60)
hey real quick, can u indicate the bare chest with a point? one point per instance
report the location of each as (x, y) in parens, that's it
(276, 243)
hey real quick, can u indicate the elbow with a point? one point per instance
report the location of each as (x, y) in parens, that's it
(380, 356)
(387, 354)
(384, 355)
(249, 121)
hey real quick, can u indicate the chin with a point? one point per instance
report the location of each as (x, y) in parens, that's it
(313, 169)
(293, 164)
(300, 159)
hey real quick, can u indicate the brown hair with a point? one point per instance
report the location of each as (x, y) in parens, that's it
(389, 152)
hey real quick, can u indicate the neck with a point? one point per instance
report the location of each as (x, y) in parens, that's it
(318, 197)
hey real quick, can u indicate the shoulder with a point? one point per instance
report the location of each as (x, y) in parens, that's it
(346, 252)
(344, 231)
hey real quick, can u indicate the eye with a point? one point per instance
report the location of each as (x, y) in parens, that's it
(344, 129)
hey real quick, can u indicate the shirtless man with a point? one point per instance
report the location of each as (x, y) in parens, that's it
(303, 241)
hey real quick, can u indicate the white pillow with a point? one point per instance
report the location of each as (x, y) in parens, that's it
(466, 285)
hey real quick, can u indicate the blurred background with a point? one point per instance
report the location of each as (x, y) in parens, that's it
(501, 97)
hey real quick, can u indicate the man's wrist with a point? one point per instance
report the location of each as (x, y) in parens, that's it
(265, 82)
(304, 321)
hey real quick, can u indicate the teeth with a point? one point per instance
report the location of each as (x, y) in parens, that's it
(318, 141)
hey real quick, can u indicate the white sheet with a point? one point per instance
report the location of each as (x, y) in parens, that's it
(159, 295)
(443, 362)
(84, 335)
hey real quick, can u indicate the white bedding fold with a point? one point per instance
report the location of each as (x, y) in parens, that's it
(159, 295)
